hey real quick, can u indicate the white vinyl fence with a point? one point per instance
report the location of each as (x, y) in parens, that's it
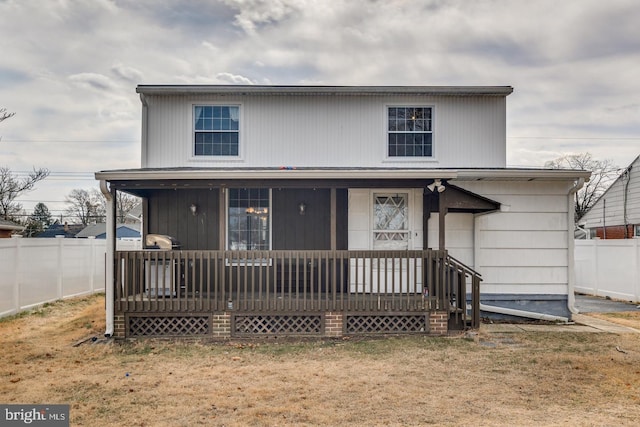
(36, 271)
(608, 268)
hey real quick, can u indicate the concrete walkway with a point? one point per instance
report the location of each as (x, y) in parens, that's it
(580, 322)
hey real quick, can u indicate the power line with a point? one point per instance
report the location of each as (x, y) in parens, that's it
(576, 138)
(74, 141)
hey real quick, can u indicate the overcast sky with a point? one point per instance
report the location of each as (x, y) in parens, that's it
(69, 69)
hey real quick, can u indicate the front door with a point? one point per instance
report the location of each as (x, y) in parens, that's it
(391, 222)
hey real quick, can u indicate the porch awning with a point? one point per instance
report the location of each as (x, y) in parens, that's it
(291, 172)
(303, 177)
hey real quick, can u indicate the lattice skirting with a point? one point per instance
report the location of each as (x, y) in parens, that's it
(386, 323)
(167, 326)
(277, 324)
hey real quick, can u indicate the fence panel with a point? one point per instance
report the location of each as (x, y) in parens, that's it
(608, 268)
(36, 271)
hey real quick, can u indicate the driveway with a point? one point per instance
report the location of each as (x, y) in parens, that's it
(591, 304)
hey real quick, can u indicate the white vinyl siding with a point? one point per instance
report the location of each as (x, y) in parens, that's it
(328, 131)
(523, 250)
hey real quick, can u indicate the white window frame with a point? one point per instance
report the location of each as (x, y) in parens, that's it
(410, 159)
(192, 157)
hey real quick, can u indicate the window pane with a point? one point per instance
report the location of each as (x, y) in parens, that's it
(249, 219)
(409, 132)
(216, 130)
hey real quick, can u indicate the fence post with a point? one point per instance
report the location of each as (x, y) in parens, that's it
(596, 264)
(17, 239)
(92, 263)
(60, 269)
(636, 269)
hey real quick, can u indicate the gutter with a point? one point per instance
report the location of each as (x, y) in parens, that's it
(292, 172)
(571, 282)
(145, 129)
(109, 267)
(522, 313)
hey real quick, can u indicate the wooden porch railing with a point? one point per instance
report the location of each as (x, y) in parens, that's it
(152, 281)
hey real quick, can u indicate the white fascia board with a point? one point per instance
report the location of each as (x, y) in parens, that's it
(445, 174)
(522, 174)
(276, 174)
(323, 90)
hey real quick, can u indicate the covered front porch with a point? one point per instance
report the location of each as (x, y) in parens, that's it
(277, 293)
(292, 252)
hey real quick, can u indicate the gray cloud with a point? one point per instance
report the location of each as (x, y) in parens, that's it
(93, 80)
(69, 69)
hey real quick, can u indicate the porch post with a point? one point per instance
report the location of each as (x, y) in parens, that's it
(333, 214)
(109, 291)
(222, 214)
(442, 211)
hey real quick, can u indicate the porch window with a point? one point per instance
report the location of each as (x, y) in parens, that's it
(410, 131)
(216, 130)
(249, 224)
(390, 222)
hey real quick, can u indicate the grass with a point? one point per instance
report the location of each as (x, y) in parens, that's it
(525, 378)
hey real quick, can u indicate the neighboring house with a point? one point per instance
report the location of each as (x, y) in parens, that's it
(99, 231)
(616, 214)
(309, 210)
(8, 228)
(66, 230)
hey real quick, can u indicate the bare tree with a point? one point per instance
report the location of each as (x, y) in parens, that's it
(85, 206)
(90, 206)
(603, 173)
(12, 187)
(124, 204)
(4, 116)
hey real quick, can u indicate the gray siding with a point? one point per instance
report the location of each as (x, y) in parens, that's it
(169, 214)
(611, 206)
(329, 131)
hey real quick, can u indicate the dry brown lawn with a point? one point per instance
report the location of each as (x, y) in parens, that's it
(541, 378)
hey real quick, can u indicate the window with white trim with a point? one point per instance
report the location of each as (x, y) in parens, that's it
(248, 219)
(216, 130)
(409, 131)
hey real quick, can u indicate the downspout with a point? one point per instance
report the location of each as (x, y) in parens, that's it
(625, 201)
(109, 267)
(571, 282)
(145, 130)
(522, 313)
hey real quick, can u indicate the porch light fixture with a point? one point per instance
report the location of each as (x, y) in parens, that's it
(194, 209)
(302, 208)
(436, 185)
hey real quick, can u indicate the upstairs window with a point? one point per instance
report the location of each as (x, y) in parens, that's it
(217, 130)
(410, 132)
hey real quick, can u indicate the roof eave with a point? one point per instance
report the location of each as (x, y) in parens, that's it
(323, 90)
(297, 174)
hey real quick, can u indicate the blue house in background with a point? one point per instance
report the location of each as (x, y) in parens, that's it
(66, 230)
(99, 231)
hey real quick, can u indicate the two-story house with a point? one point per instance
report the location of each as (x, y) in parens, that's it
(309, 210)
